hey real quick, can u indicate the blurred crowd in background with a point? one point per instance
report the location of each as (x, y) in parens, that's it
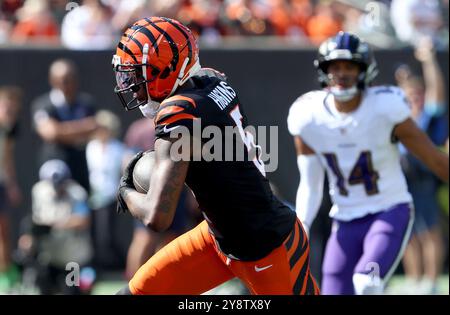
(96, 24)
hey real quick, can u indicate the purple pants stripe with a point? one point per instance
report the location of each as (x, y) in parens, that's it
(372, 244)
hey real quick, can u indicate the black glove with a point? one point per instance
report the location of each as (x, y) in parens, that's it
(126, 181)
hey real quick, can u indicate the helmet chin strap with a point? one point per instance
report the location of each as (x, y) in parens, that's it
(344, 95)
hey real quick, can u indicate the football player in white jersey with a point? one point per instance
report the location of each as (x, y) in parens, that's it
(350, 130)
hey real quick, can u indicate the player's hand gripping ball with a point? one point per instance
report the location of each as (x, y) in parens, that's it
(142, 171)
(135, 176)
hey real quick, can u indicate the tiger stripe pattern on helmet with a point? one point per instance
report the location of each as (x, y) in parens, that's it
(146, 28)
(172, 54)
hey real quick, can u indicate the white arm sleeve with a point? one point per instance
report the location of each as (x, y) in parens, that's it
(310, 189)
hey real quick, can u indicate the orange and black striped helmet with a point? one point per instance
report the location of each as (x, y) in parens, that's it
(158, 54)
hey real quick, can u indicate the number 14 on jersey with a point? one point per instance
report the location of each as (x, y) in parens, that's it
(362, 173)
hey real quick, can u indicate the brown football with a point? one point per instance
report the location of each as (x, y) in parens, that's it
(142, 171)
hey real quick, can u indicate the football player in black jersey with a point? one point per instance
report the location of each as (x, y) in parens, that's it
(247, 232)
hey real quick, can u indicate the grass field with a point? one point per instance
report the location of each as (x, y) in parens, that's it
(110, 283)
(397, 285)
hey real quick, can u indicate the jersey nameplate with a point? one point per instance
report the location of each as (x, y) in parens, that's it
(222, 95)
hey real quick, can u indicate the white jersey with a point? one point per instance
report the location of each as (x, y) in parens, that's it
(357, 150)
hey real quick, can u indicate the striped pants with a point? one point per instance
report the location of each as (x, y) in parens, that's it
(192, 264)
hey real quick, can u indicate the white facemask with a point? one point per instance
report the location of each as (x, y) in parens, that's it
(344, 95)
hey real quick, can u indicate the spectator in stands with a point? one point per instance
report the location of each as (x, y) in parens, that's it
(64, 120)
(5, 28)
(60, 8)
(125, 12)
(424, 255)
(413, 19)
(168, 8)
(10, 195)
(202, 17)
(104, 154)
(9, 7)
(280, 17)
(325, 23)
(35, 24)
(248, 17)
(95, 24)
(300, 11)
(369, 20)
(88, 27)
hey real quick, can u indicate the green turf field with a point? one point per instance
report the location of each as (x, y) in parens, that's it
(397, 285)
(111, 283)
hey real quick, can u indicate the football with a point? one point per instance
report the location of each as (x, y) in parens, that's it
(142, 171)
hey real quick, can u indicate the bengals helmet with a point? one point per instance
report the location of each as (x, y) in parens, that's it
(154, 57)
(346, 46)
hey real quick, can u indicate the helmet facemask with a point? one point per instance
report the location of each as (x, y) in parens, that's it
(344, 95)
(348, 93)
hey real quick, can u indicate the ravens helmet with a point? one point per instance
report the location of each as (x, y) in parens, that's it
(346, 46)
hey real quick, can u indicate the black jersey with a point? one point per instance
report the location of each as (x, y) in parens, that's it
(247, 220)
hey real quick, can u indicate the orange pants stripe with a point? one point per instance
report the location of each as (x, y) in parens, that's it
(192, 264)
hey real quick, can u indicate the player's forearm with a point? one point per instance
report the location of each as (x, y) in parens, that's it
(308, 203)
(420, 145)
(136, 204)
(310, 189)
(434, 159)
(149, 213)
(439, 164)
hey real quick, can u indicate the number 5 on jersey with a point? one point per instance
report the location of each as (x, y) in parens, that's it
(248, 139)
(362, 173)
